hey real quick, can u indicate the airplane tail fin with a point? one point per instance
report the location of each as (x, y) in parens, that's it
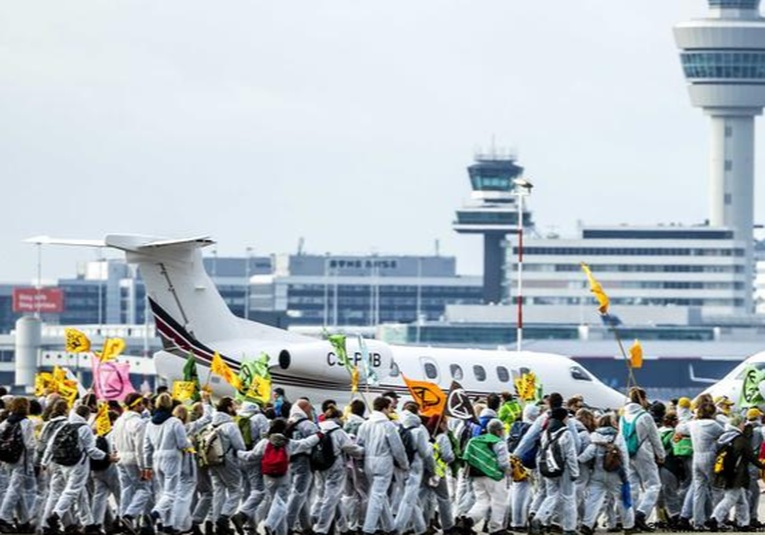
(179, 289)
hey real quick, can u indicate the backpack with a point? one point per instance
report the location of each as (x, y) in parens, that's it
(517, 431)
(480, 457)
(683, 447)
(612, 457)
(292, 427)
(99, 465)
(211, 452)
(551, 463)
(725, 460)
(11, 443)
(66, 449)
(629, 431)
(48, 432)
(275, 461)
(408, 440)
(323, 454)
(245, 427)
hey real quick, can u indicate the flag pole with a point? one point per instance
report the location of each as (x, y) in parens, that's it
(631, 381)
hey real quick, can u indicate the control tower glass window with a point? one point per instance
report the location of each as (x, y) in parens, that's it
(724, 65)
(734, 4)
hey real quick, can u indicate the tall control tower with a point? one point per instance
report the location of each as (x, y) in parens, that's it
(723, 57)
(493, 212)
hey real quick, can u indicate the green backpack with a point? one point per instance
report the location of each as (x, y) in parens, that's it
(683, 447)
(480, 456)
(246, 429)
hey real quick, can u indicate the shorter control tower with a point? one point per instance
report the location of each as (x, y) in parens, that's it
(493, 211)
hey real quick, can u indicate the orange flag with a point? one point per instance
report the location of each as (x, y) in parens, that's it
(636, 355)
(428, 396)
(596, 289)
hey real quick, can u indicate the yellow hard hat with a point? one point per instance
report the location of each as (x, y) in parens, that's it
(685, 403)
(723, 400)
(753, 414)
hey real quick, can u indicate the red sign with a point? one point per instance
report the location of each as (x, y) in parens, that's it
(46, 300)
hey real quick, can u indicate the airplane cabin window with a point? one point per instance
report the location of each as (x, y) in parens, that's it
(502, 374)
(430, 370)
(456, 371)
(579, 374)
(479, 372)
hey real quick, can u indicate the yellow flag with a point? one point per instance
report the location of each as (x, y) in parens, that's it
(428, 396)
(526, 386)
(355, 379)
(260, 389)
(69, 393)
(103, 424)
(44, 384)
(59, 374)
(636, 355)
(219, 367)
(184, 390)
(76, 341)
(113, 347)
(596, 289)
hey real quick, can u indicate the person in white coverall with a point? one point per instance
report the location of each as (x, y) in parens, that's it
(422, 462)
(560, 491)
(335, 476)
(644, 471)
(382, 449)
(258, 427)
(68, 489)
(14, 500)
(301, 423)
(164, 443)
(128, 435)
(226, 477)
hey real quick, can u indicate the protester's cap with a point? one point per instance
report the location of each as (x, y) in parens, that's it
(248, 408)
(559, 413)
(723, 400)
(753, 414)
(685, 403)
(390, 394)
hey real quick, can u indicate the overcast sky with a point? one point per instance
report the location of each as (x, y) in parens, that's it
(349, 123)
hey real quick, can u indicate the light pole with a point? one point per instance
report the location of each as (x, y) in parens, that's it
(522, 189)
(419, 297)
(247, 283)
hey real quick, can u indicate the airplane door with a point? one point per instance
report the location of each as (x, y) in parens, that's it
(430, 370)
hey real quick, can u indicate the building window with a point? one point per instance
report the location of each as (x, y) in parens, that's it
(728, 131)
(479, 372)
(728, 165)
(502, 374)
(456, 371)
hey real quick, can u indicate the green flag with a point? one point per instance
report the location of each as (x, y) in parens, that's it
(190, 374)
(338, 342)
(255, 372)
(750, 388)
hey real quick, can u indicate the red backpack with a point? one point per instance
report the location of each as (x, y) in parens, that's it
(275, 461)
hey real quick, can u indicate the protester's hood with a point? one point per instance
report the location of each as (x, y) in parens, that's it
(221, 418)
(76, 418)
(530, 413)
(248, 409)
(378, 416)
(631, 410)
(553, 425)
(409, 420)
(579, 426)
(488, 413)
(730, 434)
(278, 440)
(160, 416)
(684, 414)
(604, 434)
(296, 413)
(15, 418)
(328, 425)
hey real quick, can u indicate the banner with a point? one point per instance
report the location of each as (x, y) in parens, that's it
(190, 376)
(255, 376)
(527, 388)
(750, 388)
(218, 367)
(338, 343)
(76, 341)
(185, 391)
(103, 423)
(428, 396)
(458, 403)
(111, 379)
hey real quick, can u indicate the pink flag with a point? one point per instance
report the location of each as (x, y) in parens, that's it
(111, 379)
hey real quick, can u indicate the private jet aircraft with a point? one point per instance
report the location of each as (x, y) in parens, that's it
(192, 318)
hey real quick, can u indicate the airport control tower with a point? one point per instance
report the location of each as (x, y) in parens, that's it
(723, 57)
(493, 211)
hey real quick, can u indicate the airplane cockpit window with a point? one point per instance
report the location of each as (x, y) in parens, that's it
(479, 372)
(502, 374)
(759, 366)
(456, 371)
(579, 374)
(430, 370)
